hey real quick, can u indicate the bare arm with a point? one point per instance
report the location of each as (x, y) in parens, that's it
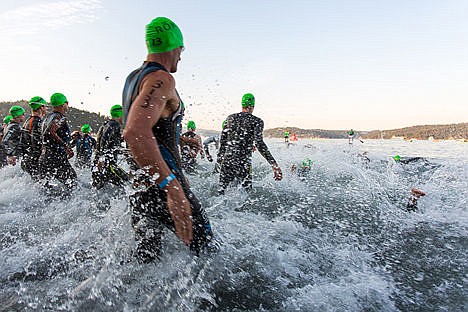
(157, 99)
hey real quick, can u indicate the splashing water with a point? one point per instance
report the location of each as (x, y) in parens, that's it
(337, 239)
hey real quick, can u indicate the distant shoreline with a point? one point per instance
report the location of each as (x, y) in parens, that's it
(459, 131)
(426, 132)
(391, 139)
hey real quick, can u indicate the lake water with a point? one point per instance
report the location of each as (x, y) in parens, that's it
(337, 239)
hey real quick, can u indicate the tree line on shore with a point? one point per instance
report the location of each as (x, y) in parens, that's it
(78, 117)
(426, 132)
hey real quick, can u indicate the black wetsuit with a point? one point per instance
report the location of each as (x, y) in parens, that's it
(53, 162)
(407, 160)
(149, 207)
(12, 139)
(32, 146)
(3, 156)
(207, 142)
(84, 150)
(189, 162)
(108, 147)
(412, 204)
(235, 153)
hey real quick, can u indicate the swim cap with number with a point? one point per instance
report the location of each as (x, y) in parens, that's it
(163, 35)
(58, 99)
(36, 102)
(116, 111)
(248, 100)
(16, 111)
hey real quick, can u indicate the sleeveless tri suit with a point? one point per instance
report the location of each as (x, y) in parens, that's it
(149, 207)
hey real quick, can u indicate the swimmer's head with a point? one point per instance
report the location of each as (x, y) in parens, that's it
(58, 99)
(36, 103)
(116, 111)
(16, 111)
(248, 100)
(7, 119)
(191, 125)
(86, 128)
(307, 162)
(163, 35)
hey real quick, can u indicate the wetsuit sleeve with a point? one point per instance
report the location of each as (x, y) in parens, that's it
(12, 140)
(116, 138)
(110, 140)
(36, 131)
(209, 140)
(200, 146)
(223, 143)
(205, 145)
(93, 143)
(260, 144)
(72, 143)
(53, 128)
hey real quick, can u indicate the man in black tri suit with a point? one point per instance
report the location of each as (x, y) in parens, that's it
(152, 117)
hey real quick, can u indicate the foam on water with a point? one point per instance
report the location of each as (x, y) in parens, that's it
(336, 240)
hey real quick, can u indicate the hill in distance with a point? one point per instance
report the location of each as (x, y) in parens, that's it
(435, 132)
(78, 117)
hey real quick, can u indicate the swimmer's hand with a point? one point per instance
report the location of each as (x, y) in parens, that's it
(278, 175)
(11, 160)
(180, 211)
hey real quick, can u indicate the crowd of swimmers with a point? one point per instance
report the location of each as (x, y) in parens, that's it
(146, 131)
(44, 145)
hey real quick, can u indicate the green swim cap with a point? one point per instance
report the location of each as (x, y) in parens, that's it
(223, 125)
(16, 111)
(58, 99)
(307, 162)
(85, 128)
(163, 35)
(36, 102)
(7, 119)
(116, 111)
(191, 125)
(248, 100)
(397, 157)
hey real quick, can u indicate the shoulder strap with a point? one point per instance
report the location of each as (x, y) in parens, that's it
(133, 83)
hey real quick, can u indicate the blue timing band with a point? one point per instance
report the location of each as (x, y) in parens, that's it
(166, 181)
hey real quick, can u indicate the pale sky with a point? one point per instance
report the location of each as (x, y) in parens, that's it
(312, 64)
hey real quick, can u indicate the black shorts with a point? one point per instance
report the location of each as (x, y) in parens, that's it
(150, 215)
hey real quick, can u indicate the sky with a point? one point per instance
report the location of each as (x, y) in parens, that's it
(335, 64)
